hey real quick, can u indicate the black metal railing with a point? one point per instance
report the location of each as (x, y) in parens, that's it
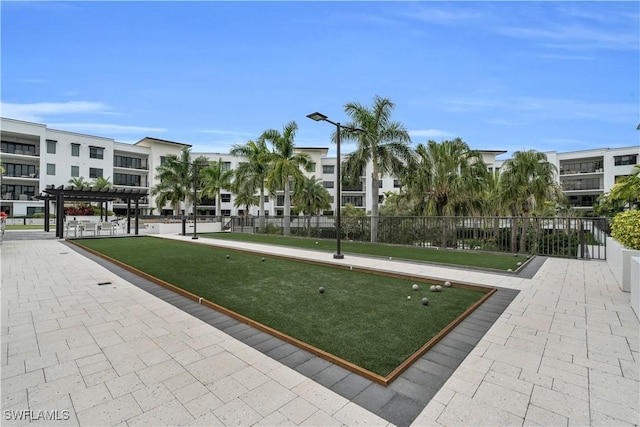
(549, 236)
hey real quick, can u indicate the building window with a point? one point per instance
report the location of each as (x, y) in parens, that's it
(129, 162)
(312, 166)
(51, 169)
(163, 160)
(226, 166)
(280, 200)
(18, 148)
(225, 197)
(354, 200)
(51, 146)
(226, 212)
(631, 159)
(127, 179)
(327, 169)
(95, 173)
(18, 170)
(327, 213)
(266, 199)
(96, 152)
(379, 183)
(380, 198)
(327, 184)
(34, 210)
(13, 192)
(75, 171)
(397, 183)
(75, 150)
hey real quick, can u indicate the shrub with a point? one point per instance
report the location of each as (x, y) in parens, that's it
(625, 228)
(41, 215)
(270, 228)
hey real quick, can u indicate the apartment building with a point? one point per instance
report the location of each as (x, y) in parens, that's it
(585, 175)
(35, 156)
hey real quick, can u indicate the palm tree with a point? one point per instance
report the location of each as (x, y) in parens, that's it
(175, 177)
(628, 189)
(311, 198)
(254, 171)
(101, 183)
(445, 177)
(383, 143)
(78, 182)
(285, 165)
(215, 179)
(527, 181)
(245, 196)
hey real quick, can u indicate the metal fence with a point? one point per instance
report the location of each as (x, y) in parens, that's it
(550, 236)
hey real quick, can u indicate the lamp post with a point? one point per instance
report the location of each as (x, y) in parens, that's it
(318, 117)
(195, 199)
(195, 196)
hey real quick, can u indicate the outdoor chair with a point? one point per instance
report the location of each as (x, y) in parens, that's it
(89, 227)
(72, 224)
(108, 227)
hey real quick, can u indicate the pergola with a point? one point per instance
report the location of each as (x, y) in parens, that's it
(70, 193)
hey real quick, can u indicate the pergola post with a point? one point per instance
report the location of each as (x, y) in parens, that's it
(47, 213)
(128, 216)
(137, 216)
(60, 215)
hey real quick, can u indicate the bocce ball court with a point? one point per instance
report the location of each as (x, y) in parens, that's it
(370, 323)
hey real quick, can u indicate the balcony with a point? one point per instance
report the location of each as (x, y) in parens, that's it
(20, 197)
(131, 163)
(580, 168)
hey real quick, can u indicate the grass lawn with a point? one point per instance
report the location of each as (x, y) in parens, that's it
(363, 318)
(497, 261)
(28, 227)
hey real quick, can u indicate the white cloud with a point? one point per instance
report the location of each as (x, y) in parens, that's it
(106, 128)
(443, 16)
(35, 112)
(576, 37)
(226, 132)
(430, 133)
(548, 108)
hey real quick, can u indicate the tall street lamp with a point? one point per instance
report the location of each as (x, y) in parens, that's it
(318, 117)
(196, 169)
(195, 195)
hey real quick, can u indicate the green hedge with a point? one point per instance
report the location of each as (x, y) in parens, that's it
(625, 228)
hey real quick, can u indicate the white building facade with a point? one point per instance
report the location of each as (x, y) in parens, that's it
(35, 156)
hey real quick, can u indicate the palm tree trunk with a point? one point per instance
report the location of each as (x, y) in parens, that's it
(374, 204)
(496, 229)
(219, 205)
(261, 217)
(523, 236)
(514, 234)
(287, 208)
(309, 226)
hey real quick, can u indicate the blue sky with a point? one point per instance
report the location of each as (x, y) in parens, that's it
(500, 75)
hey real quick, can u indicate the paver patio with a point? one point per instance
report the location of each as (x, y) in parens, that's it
(564, 352)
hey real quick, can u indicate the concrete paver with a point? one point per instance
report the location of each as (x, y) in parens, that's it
(564, 352)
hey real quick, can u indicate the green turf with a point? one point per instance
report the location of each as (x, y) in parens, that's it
(496, 261)
(363, 318)
(28, 227)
